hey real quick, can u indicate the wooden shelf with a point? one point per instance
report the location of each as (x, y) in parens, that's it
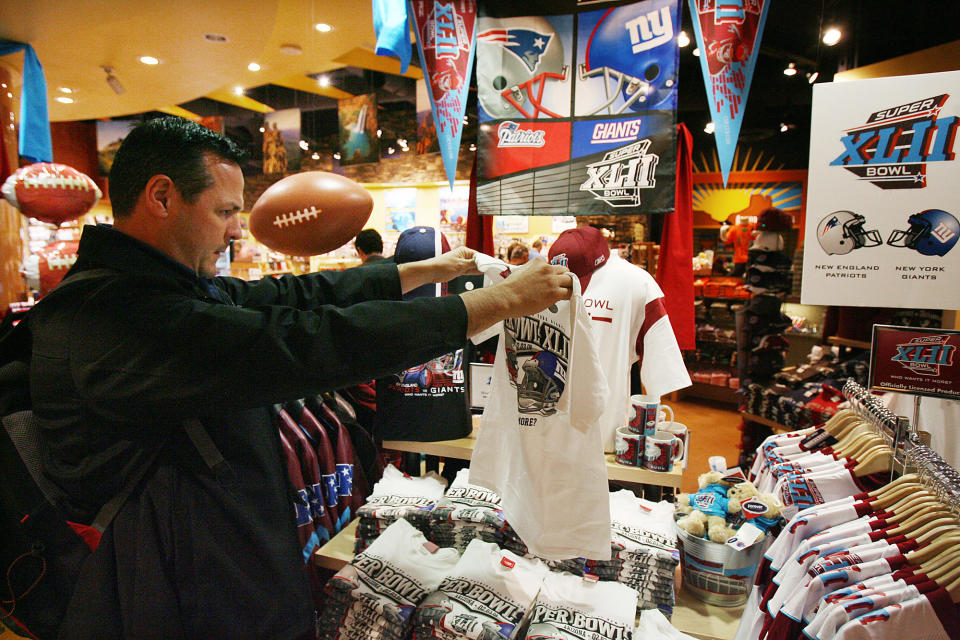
(462, 449)
(710, 392)
(846, 342)
(776, 426)
(690, 615)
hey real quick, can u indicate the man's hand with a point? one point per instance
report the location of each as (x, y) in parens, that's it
(443, 268)
(529, 289)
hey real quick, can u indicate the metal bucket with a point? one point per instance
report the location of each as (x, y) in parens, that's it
(714, 572)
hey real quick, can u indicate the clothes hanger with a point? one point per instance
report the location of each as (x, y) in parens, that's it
(858, 444)
(839, 418)
(915, 496)
(876, 460)
(939, 546)
(901, 514)
(921, 525)
(843, 424)
(889, 493)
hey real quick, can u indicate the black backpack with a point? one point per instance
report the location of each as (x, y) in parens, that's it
(42, 553)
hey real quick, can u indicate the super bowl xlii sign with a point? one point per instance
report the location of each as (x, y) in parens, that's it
(577, 108)
(924, 362)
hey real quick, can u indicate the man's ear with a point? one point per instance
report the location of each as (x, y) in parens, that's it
(157, 194)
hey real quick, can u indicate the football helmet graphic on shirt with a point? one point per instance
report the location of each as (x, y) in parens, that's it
(841, 232)
(516, 58)
(932, 232)
(540, 388)
(635, 55)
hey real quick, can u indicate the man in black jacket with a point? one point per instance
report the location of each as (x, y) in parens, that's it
(120, 360)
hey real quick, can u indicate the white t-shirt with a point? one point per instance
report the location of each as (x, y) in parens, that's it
(570, 607)
(485, 596)
(630, 323)
(540, 447)
(922, 617)
(831, 617)
(810, 522)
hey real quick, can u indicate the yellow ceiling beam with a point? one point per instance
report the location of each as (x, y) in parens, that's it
(366, 59)
(229, 97)
(180, 111)
(309, 85)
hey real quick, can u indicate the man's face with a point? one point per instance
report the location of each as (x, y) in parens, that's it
(204, 228)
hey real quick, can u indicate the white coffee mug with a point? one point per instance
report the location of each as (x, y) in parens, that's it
(645, 412)
(661, 450)
(676, 428)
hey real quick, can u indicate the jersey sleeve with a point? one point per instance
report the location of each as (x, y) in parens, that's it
(662, 369)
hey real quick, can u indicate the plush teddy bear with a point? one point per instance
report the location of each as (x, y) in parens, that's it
(694, 523)
(740, 493)
(765, 520)
(706, 511)
(683, 499)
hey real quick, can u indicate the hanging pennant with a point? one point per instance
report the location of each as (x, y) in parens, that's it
(445, 42)
(728, 34)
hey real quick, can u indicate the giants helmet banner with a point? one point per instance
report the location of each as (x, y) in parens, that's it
(577, 107)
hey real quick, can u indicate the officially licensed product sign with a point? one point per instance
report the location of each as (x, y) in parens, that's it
(578, 108)
(883, 216)
(919, 361)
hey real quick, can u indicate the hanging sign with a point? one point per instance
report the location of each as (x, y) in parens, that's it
(923, 362)
(728, 34)
(577, 108)
(882, 213)
(445, 42)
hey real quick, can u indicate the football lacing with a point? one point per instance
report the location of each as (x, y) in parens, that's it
(298, 216)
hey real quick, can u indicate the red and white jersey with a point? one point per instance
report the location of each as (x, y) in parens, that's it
(540, 446)
(932, 616)
(831, 617)
(772, 441)
(801, 491)
(630, 324)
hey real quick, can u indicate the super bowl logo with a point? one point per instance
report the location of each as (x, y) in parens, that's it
(704, 500)
(620, 176)
(446, 34)
(925, 355)
(892, 149)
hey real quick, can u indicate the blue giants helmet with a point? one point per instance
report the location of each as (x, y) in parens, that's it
(635, 52)
(541, 387)
(515, 59)
(932, 232)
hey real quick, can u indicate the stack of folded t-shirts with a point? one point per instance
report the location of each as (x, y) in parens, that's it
(466, 512)
(397, 496)
(374, 597)
(572, 608)
(485, 597)
(645, 554)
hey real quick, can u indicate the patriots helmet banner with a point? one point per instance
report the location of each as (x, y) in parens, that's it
(728, 34)
(577, 108)
(445, 42)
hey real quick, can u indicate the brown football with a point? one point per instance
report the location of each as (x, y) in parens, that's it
(309, 213)
(51, 192)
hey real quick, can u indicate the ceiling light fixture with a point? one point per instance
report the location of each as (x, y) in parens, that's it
(323, 27)
(290, 49)
(683, 39)
(696, 51)
(315, 156)
(304, 145)
(832, 36)
(784, 127)
(709, 128)
(812, 77)
(323, 81)
(64, 99)
(791, 70)
(262, 129)
(60, 89)
(214, 37)
(149, 60)
(336, 156)
(253, 66)
(238, 91)
(112, 80)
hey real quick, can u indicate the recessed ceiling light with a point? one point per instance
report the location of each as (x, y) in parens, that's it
(60, 89)
(304, 145)
(291, 49)
(64, 99)
(323, 81)
(709, 128)
(262, 129)
(323, 27)
(812, 77)
(683, 39)
(238, 91)
(149, 60)
(315, 156)
(214, 37)
(253, 66)
(791, 70)
(832, 36)
(9, 95)
(696, 51)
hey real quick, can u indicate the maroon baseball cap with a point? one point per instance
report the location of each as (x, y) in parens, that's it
(582, 250)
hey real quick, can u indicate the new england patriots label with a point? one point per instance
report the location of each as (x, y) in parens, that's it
(537, 355)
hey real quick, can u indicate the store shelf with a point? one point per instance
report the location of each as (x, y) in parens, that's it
(846, 342)
(773, 424)
(710, 392)
(690, 615)
(462, 449)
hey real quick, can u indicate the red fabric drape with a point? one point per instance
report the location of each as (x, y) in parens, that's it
(675, 270)
(479, 228)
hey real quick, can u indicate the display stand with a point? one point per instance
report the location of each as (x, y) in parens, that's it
(462, 449)
(690, 615)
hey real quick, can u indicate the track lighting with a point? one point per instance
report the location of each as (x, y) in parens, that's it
(112, 80)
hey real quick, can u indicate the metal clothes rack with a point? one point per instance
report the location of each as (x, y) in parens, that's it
(942, 479)
(895, 430)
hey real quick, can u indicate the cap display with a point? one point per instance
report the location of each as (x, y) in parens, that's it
(421, 243)
(582, 250)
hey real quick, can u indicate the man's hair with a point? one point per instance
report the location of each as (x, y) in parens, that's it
(171, 146)
(538, 244)
(518, 250)
(369, 241)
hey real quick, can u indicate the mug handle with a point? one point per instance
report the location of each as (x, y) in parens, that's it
(679, 442)
(667, 409)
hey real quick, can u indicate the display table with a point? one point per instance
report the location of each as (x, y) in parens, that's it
(462, 449)
(690, 615)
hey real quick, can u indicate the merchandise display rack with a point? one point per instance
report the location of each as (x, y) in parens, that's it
(691, 616)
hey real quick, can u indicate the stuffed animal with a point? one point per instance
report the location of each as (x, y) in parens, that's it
(706, 511)
(683, 499)
(739, 493)
(763, 519)
(694, 523)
